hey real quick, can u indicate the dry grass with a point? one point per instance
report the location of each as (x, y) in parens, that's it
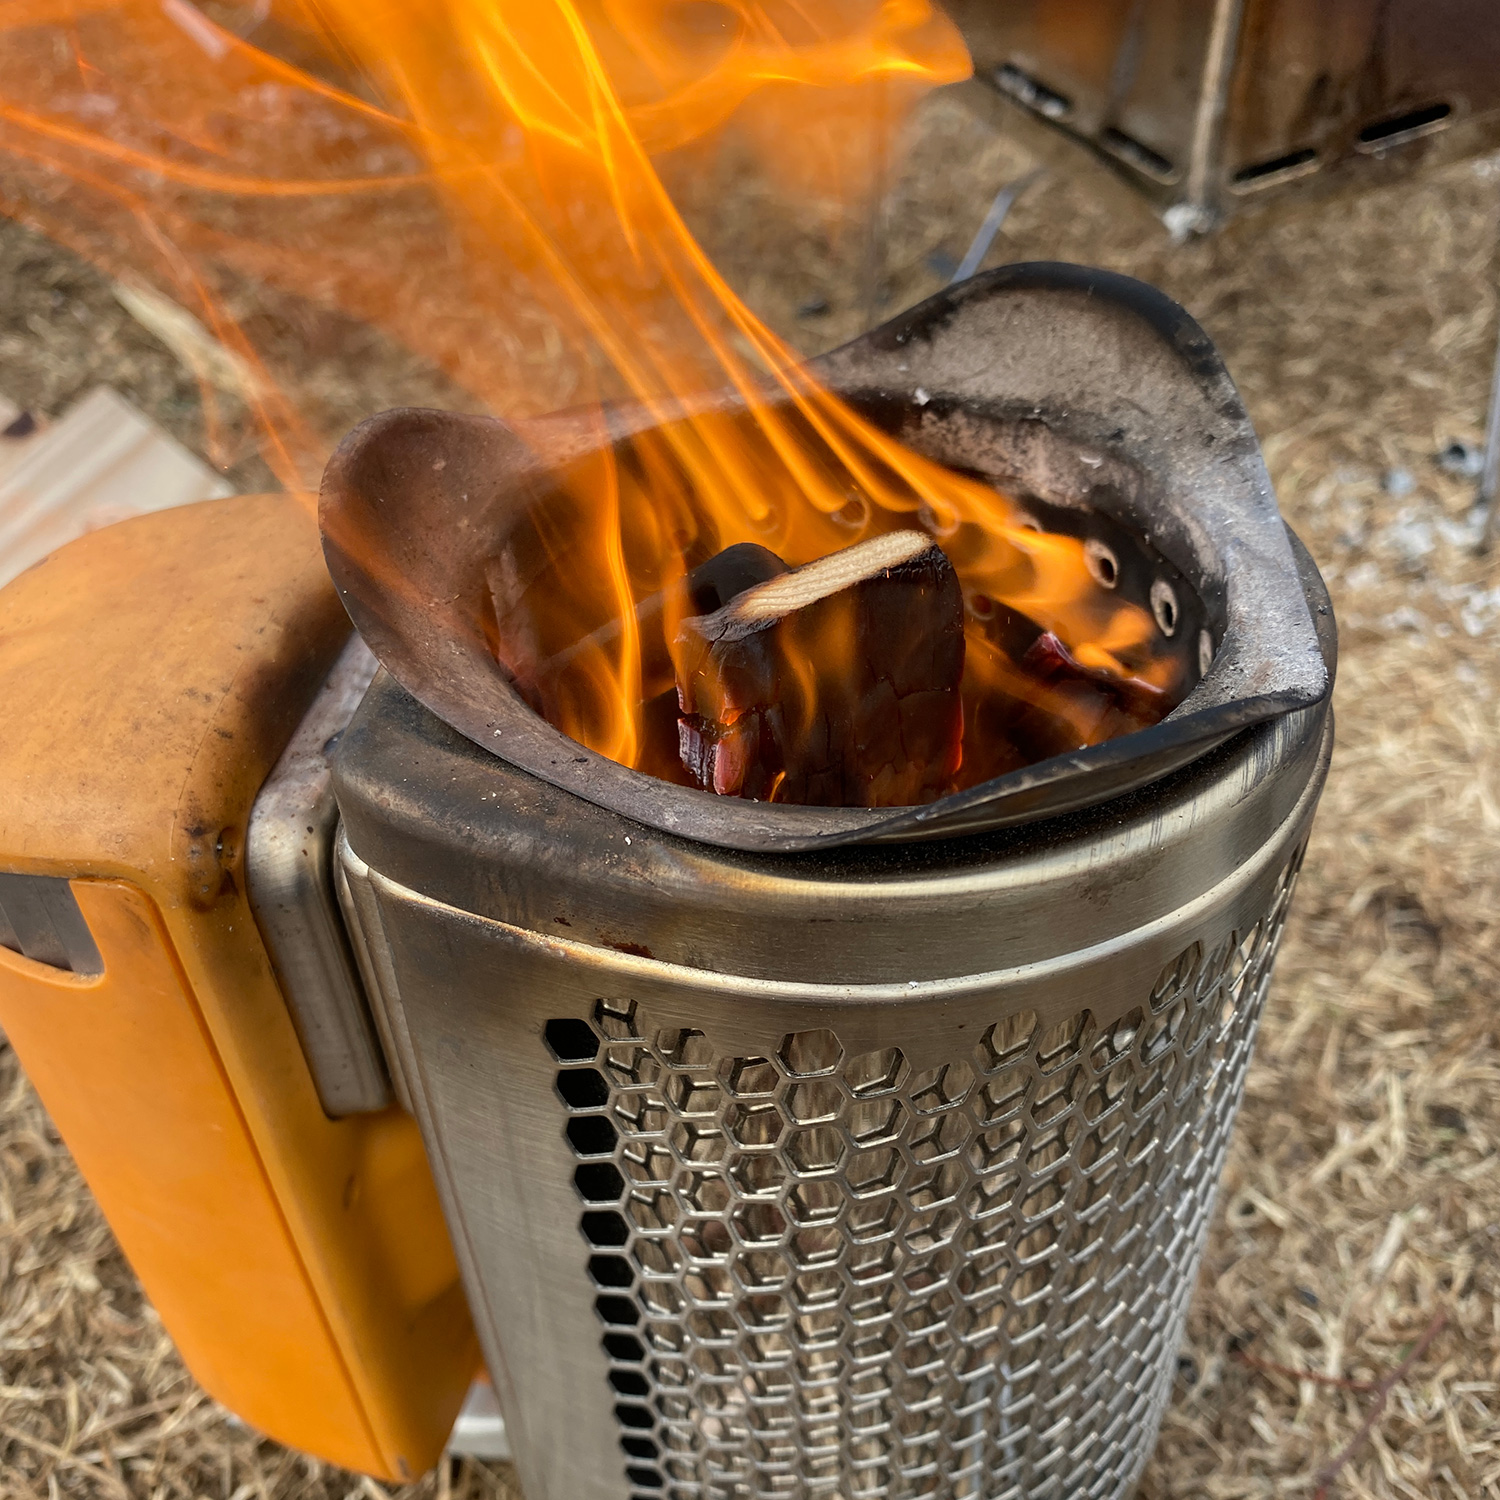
(93, 1398)
(1363, 1193)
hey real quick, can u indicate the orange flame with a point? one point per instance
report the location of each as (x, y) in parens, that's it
(477, 176)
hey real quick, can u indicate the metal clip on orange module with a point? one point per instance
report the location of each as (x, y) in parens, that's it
(150, 676)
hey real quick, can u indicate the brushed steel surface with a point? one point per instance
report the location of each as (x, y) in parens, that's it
(431, 813)
(881, 1172)
(367, 941)
(40, 920)
(289, 880)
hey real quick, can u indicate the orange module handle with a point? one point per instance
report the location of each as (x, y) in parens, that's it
(150, 675)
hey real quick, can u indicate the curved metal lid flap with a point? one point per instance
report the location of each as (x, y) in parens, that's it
(1082, 387)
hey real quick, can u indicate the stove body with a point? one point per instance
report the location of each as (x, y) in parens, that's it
(881, 1168)
(884, 1172)
(836, 1153)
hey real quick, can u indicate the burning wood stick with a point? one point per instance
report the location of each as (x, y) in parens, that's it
(709, 586)
(835, 685)
(541, 676)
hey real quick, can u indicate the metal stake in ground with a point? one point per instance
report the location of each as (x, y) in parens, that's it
(1005, 200)
(1489, 477)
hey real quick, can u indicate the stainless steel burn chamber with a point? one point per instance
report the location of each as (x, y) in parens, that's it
(832, 1154)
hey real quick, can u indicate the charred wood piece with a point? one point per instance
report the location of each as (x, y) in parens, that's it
(835, 685)
(1056, 704)
(539, 676)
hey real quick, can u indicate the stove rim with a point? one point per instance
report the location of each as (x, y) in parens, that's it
(413, 799)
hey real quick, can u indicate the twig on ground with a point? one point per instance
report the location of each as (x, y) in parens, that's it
(1382, 1393)
(1271, 1367)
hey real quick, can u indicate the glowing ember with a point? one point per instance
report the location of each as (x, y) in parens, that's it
(477, 176)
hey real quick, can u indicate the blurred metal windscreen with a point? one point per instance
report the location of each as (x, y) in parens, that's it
(1208, 106)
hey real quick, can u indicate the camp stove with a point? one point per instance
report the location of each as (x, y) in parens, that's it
(840, 1152)
(817, 1152)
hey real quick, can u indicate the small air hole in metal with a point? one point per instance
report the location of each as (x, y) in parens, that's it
(623, 1347)
(583, 1088)
(605, 1230)
(1395, 130)
(1102, 563)
(1164, 606)
(938, 523)
(854, 513)
(620, 1312)
(599, 1182)
(572, 1041)
(591, 1135)
(610, 1270)
(1031, 92)
(1277, 169)
(1137, 153)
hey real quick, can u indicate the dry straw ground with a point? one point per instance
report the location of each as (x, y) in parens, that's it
(1363, 1194)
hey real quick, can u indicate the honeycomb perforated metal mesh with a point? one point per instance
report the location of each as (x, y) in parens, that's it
(833, 1275)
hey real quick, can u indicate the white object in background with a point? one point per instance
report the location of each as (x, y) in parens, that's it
(103, 461)
(479, 1431)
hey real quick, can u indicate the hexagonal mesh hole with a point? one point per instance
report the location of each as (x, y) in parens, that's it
(831, 1275)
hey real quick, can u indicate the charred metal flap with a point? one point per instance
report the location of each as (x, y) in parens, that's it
(1090, 392)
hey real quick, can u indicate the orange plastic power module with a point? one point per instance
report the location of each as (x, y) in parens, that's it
(151, 674)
